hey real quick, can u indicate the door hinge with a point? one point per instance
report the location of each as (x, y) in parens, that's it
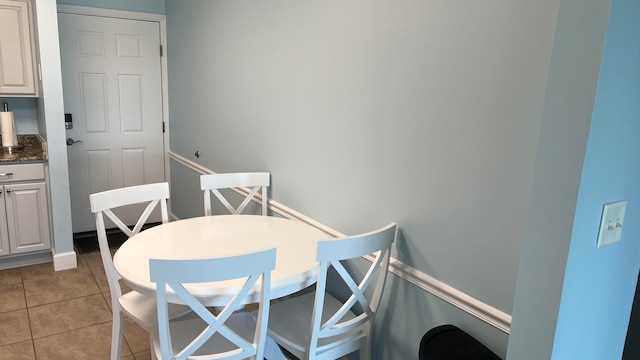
(161, 51)
(163, 126)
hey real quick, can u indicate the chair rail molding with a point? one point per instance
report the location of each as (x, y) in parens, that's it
(453, 296)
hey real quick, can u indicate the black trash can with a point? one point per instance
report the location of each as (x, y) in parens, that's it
(448, 342)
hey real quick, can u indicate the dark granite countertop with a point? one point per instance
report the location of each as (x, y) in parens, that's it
(31, 150)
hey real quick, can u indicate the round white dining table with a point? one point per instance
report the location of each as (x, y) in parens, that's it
(221, 236)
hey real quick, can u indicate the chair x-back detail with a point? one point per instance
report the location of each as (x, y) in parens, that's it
(255, 182)
(140, 308)
(318, 325)
(227, 335)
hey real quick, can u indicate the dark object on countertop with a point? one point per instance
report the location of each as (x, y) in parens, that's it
(448, 342)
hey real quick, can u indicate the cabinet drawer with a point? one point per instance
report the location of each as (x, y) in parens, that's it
(21, 172)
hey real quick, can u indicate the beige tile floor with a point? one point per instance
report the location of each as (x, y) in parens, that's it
(49, 315)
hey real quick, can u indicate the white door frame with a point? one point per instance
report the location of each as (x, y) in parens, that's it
(162, 21)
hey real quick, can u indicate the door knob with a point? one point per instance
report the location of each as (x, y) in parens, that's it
(70, 141)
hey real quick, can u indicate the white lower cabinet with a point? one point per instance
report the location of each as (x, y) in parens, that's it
(24, 215)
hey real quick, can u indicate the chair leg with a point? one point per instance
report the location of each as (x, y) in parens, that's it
(272, 351)
(116, 335)
(365, 347)
(151, 346)
(365, 351)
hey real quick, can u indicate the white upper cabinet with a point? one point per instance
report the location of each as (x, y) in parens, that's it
(17, 50)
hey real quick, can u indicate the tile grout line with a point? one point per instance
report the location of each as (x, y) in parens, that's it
(26, 306)
(29, 316)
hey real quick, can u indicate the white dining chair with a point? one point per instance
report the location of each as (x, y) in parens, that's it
(203, 334)
(317, 325)
(254, 182)
(140, 308)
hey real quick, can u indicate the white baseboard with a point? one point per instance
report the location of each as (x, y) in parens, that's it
(65, 261)
(455, 297)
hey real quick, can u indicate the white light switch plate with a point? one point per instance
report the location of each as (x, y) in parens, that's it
(611, 223)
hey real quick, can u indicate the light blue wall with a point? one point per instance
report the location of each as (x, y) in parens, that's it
(25, 113)
(426, 113)
(426, 110)
(600, 282)
(570, 93)
(50, 116)
(145, 6)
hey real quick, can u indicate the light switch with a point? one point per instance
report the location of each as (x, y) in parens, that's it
(611, 223)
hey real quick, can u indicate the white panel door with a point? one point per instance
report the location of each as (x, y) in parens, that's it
(112, 87)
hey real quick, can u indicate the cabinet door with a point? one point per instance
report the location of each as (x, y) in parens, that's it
(16, 49)
(4, 232)
(27, 217)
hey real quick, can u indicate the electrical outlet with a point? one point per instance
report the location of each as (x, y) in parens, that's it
(611, 223)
